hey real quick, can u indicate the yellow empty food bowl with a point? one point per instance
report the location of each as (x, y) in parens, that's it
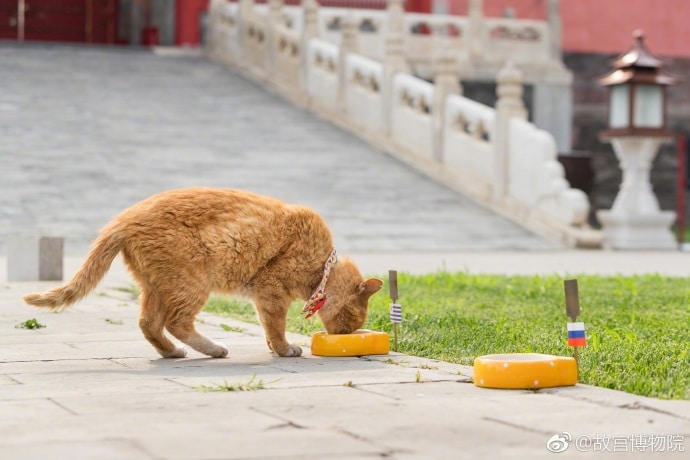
(524, 371)
(359, 343)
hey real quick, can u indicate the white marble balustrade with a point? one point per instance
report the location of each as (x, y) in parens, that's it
(492, 154)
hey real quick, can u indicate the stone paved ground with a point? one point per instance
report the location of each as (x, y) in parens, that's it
(88, 131)
(85, 132)
(89, 386)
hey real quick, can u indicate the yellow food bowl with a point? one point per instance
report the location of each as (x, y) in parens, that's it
(524, 371)
(359, 343)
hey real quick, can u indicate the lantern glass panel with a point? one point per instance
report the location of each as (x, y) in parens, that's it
(649, 106)
(619, 112)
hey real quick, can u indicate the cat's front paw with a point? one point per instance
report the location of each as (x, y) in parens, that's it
(292, 351)
(218, 351)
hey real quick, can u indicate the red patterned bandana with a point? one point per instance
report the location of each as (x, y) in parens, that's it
(318, 298)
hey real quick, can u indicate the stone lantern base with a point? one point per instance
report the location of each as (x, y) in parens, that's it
(635, 221)
(638, 231)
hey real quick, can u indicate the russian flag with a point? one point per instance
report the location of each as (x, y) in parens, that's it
(576, 335)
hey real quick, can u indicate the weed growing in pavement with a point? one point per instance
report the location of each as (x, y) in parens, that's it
(30, 324)
(251, 385)
(227, 327)
(426, 366)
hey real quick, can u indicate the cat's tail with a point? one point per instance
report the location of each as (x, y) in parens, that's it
(97, 263)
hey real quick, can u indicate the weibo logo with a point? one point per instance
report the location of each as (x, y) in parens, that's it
(559, 442)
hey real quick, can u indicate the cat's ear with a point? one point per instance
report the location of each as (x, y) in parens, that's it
(369, 287)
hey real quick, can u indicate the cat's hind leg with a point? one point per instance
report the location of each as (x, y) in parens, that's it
(183, 329)
(152, 321)
(180, 323)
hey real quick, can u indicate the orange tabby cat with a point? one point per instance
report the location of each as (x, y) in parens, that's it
(183, 244)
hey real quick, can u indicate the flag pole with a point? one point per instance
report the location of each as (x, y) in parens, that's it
(393, 290)
(572, 305)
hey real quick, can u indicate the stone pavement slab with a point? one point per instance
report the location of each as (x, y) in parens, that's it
(86, 387)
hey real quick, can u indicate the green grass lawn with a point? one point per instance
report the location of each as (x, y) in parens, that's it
(638, 328)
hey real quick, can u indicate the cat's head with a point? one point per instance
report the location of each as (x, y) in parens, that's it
(347, 298)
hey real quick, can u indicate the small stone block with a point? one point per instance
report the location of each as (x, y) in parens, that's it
(50, 257)
(35, 259)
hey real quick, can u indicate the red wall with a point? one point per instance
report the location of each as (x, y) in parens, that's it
(187, 28)
(606, 26)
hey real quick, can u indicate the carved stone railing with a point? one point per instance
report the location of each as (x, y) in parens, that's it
(363, 97)
(493, 154)
(481, 45)
(411, 122)
(322, 74)
(468, 149)
(522, 41)
(423, 32)
(286, 43)
(254, 41)
(224, 43)
(537, 177)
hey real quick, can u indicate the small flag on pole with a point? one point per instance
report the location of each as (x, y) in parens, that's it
(396, 313)
(395, 309)
(576, 335)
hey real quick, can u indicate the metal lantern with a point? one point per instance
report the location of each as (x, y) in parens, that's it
(637, 96)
